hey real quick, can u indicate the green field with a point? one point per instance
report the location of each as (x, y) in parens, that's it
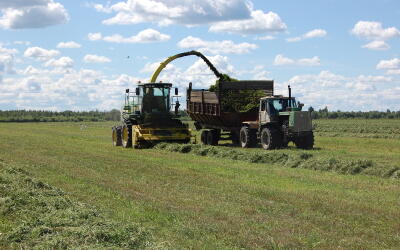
(259, 200)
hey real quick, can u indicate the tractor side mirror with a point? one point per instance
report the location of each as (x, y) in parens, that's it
(137, 92)
(127, 91)
(176, 91)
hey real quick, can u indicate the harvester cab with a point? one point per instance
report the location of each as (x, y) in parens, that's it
(148, 98)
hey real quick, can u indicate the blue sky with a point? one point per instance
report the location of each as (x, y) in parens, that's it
(77, 55)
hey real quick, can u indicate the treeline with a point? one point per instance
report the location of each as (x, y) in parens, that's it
(55, 116)
(114, 115)
(326, 114)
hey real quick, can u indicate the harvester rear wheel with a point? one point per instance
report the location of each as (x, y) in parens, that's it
(116, 136)
(247, 137)
(270, 138)
(127, 136)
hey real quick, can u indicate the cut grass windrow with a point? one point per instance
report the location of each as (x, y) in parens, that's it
(300, 159)
(44, 217)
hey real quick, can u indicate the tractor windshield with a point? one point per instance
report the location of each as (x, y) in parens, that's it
(281, 105)
(155, 99)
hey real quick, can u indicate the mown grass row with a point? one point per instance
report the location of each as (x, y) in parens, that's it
(383, 128)
(37, 216)
(300, 159)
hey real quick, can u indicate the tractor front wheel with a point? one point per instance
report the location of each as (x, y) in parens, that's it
(127, 136)
(270, 138)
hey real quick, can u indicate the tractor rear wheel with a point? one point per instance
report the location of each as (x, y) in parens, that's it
(116, 136)
(127, 136)
(305, 142)
(270, 138)
(247, 137)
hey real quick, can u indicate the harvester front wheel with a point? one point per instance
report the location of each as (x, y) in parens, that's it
(247, 137)
(116, 136)
(127, 136)
(270, 138)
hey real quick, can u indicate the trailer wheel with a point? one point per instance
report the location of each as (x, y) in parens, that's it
(247, 137)
(212, 137)
(127, 136)
(116, 136)
(203, 137)
(305, 142)
(235, 137)
(270, 138)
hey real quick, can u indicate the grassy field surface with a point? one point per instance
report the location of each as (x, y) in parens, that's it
(192, 201)
(363, 128)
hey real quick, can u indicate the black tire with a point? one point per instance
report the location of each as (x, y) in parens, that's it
(305, 142)
(116, 136)
(270, 138)
(235, 138)
(203, 137)
(212, 137)
(247, 137)
(126, 136)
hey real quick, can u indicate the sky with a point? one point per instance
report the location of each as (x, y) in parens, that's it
(82, 55)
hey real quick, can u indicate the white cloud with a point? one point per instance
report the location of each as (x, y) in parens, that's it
(63, 62)
(26, 43)
(40, 53)
(258, 23)
(31, 14)
(185, 12)
(216, 47)
(389, 64)
(96, 59)
(338, 92)
(293, 39)
(8, 51)
(94, 36)
(265, 38)
(68, 45)
(4, 4)
(144, 36)
(6, 64)
(315, 33)
(281, 60)
(311, 34)
(376, 45)
(393, 72)
(374, 31)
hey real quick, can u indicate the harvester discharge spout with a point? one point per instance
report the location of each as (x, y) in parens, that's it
(189, 53)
